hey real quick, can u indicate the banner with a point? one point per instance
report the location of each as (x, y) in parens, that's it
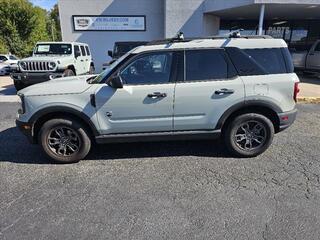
(109, 23)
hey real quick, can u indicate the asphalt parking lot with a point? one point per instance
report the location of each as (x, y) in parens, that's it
(170, 190)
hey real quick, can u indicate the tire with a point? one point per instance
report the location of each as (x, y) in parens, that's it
(68, 73)
(65, 140)
(18, 85)
(91, 70)
(243, 143)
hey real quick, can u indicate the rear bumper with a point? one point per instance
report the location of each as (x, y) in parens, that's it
(29, 78)
(26, 129)
(287, 119)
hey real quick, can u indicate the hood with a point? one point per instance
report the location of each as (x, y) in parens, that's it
(66, 85)
(48, 58)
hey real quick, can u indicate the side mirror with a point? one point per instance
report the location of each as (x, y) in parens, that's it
(110, 53)
(116, 82)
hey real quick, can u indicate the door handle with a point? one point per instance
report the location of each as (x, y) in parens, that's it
(311, 54)
(224, 91)
(81, 60)
(157, 95)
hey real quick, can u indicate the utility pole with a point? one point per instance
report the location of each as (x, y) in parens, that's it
(261, 19)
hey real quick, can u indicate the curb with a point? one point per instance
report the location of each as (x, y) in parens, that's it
(308, 99)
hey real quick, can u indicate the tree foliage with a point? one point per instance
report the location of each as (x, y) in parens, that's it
(22, 25)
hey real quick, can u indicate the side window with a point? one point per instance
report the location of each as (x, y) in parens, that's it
(207, 64)
(88, 51)
(77, 52)
(154, 68)
(271, 59)
(317, 48)
(83, 51)
(3, 58)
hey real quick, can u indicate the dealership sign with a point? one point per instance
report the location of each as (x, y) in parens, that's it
(109, 23)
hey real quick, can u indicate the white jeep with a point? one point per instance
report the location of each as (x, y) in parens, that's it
(51, 60)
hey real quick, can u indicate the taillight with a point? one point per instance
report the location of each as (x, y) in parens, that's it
(296, 91)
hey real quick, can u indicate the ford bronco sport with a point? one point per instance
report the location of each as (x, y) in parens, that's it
(242, 89)
(52, 60)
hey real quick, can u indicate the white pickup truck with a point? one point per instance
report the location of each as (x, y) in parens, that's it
(308, 61)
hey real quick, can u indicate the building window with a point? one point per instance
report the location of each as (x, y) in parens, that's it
(299, 34)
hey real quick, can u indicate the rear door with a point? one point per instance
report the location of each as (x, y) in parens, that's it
(78, 60)
(210, 87)
(313, 58)
(84, 60)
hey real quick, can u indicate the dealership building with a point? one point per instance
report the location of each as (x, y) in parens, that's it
(101, 23)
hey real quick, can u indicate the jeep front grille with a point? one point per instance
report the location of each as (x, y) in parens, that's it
(36, 66)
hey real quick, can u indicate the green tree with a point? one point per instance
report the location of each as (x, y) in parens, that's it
(53, 24)
(22, 25)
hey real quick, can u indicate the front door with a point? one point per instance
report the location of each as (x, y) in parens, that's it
(209, 89)
(145, 103)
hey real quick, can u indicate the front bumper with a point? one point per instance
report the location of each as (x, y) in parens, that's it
(26, 129)
(29, 78)
(287, 119)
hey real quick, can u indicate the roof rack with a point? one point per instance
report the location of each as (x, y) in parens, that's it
(180, 38)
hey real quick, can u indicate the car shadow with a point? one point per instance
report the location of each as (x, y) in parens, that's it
(17, 149)
(8, 90)
(311, 79)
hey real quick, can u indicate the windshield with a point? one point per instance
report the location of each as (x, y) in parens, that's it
(122, 48)
(53, 49)
(105, 73)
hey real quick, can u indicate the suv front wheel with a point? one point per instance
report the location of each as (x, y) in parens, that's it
(68, 73)
(249, 135)
(65, 140)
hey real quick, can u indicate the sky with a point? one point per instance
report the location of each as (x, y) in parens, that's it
(46, 4)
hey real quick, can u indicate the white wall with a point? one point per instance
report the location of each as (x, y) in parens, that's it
(182, 15)
(102, 41)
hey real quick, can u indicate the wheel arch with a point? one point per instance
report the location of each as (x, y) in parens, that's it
(40, 117)
(71, 67)
(268, 109)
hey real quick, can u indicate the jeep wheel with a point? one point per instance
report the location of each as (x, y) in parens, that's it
(68, 73)
(18, 85)
(249, 135)
(91, 70)
(65, 140)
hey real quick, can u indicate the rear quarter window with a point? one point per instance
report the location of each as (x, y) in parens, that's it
(262, 61)
(270, 59)
(88, 51)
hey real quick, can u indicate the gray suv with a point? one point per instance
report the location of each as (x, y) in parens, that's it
(242, 89)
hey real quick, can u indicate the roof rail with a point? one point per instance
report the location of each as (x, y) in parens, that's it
(180, 38)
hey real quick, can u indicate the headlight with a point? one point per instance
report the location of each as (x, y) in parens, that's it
(52, 65)
(22, 110)
(23, 65)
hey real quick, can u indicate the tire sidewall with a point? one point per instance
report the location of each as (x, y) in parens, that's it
(18, 85)
(85, 142)
(91, 70)
(233, 127)
(68, 73)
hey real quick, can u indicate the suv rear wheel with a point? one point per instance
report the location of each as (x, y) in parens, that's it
(249, 135)
(91, 70)
(65, 140)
